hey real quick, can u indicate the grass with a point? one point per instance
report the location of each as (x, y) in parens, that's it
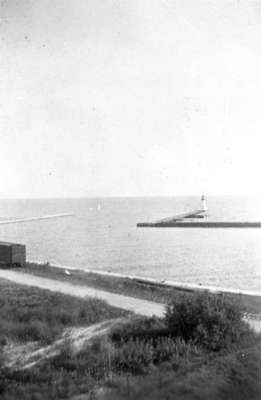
(129, 287)
(102, 364)
(140, 368)
(108, 283)
(31, 314)
(143, 358)
(235, 376)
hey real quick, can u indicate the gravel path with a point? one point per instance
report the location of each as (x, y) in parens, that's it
(138, 306)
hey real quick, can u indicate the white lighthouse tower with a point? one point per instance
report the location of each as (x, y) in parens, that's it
(204, 203)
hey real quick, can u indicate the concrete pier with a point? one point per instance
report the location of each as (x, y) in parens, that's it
(200, 224)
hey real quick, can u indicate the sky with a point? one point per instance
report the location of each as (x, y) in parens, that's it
(129, 98)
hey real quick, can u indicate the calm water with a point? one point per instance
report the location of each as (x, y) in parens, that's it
(103, 235)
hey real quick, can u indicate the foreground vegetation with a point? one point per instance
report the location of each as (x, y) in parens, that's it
(201, 349)
(235, 376)
(31, 314)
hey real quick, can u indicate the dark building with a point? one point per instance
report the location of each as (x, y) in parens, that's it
(12, 254)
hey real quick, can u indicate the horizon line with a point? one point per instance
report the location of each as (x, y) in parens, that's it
(129, 196)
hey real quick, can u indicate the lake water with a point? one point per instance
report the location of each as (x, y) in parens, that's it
(103, 235)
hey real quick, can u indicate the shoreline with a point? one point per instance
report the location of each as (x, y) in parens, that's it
(178, 285)
(138, 287)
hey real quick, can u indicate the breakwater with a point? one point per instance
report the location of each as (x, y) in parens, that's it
(199, 224)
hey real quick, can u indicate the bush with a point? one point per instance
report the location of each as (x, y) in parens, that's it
(138, 355)
(36, 331)
(134, 356)
(234, 376)
(169, 349)
(214, 322)
(139, 327)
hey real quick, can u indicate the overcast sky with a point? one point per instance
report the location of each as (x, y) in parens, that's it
(127, 98)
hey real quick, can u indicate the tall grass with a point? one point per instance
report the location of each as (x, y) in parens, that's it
(178, 356)
(236, 376)
(30, 314)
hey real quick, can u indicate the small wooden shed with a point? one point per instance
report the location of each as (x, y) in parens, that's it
(12, 254)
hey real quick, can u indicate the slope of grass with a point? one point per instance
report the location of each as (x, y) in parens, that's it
(29, 314)
(235, 376)
(145, 358)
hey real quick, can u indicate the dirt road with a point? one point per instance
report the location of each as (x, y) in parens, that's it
(138, 306)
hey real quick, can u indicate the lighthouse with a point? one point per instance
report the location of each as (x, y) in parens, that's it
(204, 203)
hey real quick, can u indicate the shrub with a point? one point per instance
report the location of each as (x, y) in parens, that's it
(214, 322)
(139, 327)
(169, 349)
(138, 355)
(134, 356)
(234, 376)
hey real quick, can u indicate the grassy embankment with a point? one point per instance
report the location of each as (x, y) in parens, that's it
(129, 287)
(200, 349)
(29, 314)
